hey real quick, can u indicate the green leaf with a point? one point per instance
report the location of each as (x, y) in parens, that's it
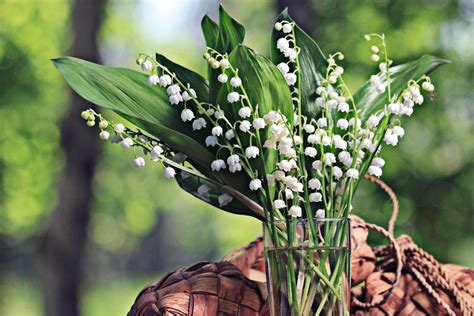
(191, 184)
(263, 82)
(210, 31)
(186, 76)
(230, 33)
(368, 101)
(265, 88)
(312, 64)
(128, 93)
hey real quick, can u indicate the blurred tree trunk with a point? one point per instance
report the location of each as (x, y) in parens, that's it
(63, 243)
(301, 11)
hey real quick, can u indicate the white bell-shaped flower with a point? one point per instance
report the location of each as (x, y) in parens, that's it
(375, 171)
(235, 82)
(233, 97)
(187, 115)
(199, 123)
(126, 143)
(165, 80)
(252, 152)
(258, 123)
(119, 128)
(310, 152)
(173, 89)
(104, 135)
(153, 80)
(352, 173)
(284, 68)
(217, 131)
(222, 78)
(245, 126)
(156, 152)
(295, 211)
(147, 65)
(315, 197)
(255, 184)
(314, 184)
(169, 172)
(211, 141)
(218, 164)
(138, 162)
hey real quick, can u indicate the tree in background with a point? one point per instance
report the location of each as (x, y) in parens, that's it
(62, 245)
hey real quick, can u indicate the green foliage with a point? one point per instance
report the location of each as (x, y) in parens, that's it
(128, 93)
(223, 38)
(197, 82)
(312, 64)
(369, 101)
(265, 88)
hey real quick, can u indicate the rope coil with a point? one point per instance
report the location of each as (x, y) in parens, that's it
(426, 269)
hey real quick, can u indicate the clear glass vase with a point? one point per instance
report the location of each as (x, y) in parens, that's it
(308, 266)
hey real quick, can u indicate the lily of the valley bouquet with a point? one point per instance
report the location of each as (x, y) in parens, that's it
(282, 139)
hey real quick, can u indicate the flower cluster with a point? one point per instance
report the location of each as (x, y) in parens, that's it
(320, 159)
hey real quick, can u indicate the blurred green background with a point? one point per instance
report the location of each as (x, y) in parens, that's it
(138, 225)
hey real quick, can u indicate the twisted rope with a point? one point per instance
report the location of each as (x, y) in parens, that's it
(393, 197)
(398, 272)
(422, 265)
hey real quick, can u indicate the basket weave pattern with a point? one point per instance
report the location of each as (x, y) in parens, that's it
(398, 279)
(201, 290)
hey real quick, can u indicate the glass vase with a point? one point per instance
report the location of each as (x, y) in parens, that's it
(308, 266)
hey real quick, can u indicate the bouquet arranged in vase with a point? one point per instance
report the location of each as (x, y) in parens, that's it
(281, 139)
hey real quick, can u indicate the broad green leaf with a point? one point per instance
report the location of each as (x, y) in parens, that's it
(128, 93)
(186, 76)
(230, 33)
(368, 101)
(191, 183)
(210, 31)
(265, 88)
(262, 81)
(312, 65)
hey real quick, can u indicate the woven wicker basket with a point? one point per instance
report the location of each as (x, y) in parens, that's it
(398, 279)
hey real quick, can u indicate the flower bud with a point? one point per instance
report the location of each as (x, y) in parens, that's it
(103, 124)
(278, 26)
(427, 86)
(224, 63)
(374, 58)
(222, 78)
(287, 28)
(147, 65)
(104, 135)
(85, 115)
